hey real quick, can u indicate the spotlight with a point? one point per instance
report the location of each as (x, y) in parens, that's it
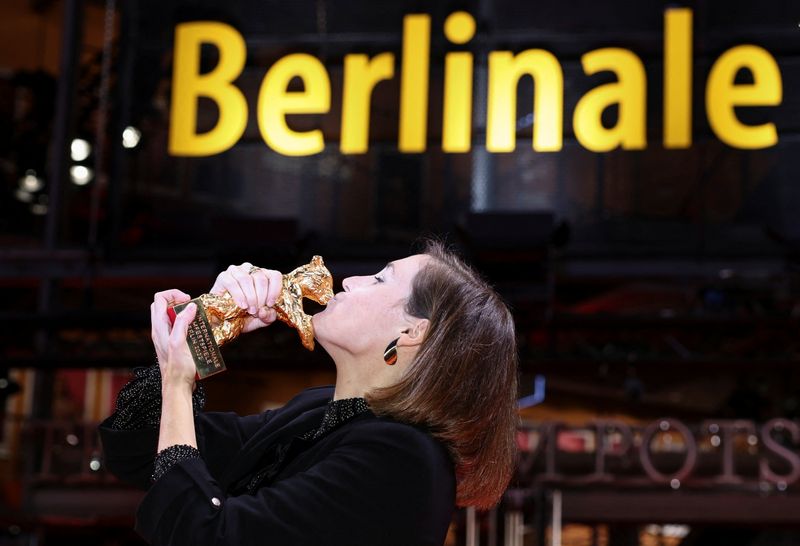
(30, 182)
(131, 136)
(94, 463)
(80, 149)
(80, 175)
(23, 195)
(39, 209)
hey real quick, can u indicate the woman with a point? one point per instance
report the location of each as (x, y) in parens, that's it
(409, 429)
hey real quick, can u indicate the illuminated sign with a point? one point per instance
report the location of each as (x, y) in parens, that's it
(505, 68)
(666, 451)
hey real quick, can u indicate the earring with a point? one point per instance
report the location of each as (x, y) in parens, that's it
(390, 354)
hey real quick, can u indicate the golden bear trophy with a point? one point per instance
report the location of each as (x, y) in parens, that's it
(219, 320)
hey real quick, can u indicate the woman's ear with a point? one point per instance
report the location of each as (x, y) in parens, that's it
(414, 334)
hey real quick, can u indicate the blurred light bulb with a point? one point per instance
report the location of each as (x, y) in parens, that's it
(38, 209)
(23, 195)
(80, 175)
(95, 464)
(80, 149)
(131, 136)
(30, 182)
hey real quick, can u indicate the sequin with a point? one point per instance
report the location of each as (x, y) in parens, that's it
(138, 406)
(336, 413)
(170, 456)
(139, 401)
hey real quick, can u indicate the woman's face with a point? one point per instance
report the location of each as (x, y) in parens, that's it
(369, 312)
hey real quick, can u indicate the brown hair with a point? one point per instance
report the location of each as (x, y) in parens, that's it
(462, 384)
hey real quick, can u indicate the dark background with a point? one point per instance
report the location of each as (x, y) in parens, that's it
(644, 283)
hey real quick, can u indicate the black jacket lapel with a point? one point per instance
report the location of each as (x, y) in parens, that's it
(289, 421)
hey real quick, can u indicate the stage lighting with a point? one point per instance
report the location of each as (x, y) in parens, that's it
(80, 175)
(39, 209)
(95, 463)
(131, 136)
(80, 149)
(30, 182)
(23, 195)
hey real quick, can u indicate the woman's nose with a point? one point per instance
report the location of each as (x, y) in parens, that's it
(346, 284)
(353, 282)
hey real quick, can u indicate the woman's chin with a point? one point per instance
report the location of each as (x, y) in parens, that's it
(318, 326)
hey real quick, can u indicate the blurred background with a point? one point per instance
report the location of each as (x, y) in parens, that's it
(655, 291)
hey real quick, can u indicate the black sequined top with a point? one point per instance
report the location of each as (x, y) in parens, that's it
(139, 401)
(139, 406)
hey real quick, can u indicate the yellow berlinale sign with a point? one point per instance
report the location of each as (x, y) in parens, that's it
(505, 68)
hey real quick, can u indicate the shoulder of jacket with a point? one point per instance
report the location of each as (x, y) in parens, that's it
(404, 436)
(319, 394)
(327, 389)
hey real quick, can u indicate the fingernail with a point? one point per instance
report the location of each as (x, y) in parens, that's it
(252, 310)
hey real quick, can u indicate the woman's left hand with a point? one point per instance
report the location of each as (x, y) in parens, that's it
(175, 358)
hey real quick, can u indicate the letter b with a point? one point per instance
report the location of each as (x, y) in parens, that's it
(188, 85)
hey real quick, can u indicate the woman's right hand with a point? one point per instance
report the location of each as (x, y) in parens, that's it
(256, 292)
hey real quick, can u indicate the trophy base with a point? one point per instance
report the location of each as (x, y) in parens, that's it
(200, 338)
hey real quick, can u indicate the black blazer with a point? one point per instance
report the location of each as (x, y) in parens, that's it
(372, 481)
